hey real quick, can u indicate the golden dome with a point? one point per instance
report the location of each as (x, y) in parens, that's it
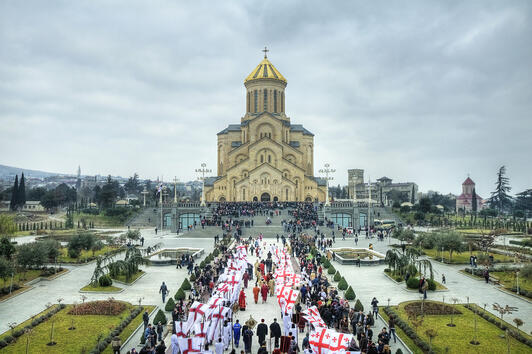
(265, 70)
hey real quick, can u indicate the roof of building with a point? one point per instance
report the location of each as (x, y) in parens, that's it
(265, 70)
(230, 128)
(209, 181)
(300, 128)
(468, 181)
(384, 178)
(320, 181)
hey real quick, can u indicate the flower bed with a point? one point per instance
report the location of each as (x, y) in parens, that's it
(105, 307)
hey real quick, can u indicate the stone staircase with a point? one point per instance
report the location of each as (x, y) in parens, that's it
(145, 218)
(386, 213)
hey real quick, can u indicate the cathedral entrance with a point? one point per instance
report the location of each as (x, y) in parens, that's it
(275, 199)
(255, 199)
(265, 197)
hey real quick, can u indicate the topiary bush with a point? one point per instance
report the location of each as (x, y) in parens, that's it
(342, 285)
(186, 285)
(192, 277)
(3, 343)
(350, 294)
(170, 305)
(180, 295)
(202, 264)
(359, 306)
(326, 263)
(412, 283)
(331, 270)
(337, 276)
(399, 351)
(432, 284)
(105, 280)
(160, 317)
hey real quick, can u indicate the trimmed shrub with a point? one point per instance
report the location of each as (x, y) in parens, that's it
(3, 343)
(432, 284)
(342, 285)
(9, 338)
(350, 294)
(412, 283)
(337, 276)
(18, 333)
(192, 277)
(105, 280)
(331, 270)
(202, 264)
(160, 317)
(359, 306)
(186, 285)
(399, 351)
(170, 305)
(180, 295)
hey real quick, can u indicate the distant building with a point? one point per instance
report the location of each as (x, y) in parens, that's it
(464, 201)
(30, 205)
(381, 190)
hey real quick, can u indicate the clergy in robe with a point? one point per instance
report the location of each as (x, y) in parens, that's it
(256, 291)
(264, 292)
(246, 279)
(242, 300)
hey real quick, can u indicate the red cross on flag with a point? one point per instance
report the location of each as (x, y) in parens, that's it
(340, 342)
(187, 346)
(319, 341)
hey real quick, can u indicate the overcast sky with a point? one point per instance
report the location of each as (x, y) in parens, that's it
(416, 90)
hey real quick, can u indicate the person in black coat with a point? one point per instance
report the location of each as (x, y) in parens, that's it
(248, 335)
(275, 331)
(262, 331)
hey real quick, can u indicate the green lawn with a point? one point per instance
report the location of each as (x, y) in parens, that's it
(65, 258)
(122, 278)
(463, 258)
(456, 339)
(84, 337)
(21, 277)
(109, 289)
(130, 328)
(508, 280)
(101, 220)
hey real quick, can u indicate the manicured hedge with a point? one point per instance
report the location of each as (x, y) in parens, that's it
(170, 305)
(160, 317)
(331, 270)
(186, 285)
(342, 285)
(350, 294)
(337, 276)
(180, 294)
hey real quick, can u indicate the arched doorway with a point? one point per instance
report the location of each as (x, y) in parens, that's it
(222, 199)
(265, 197)
(275, 199)
(308, 199)
(255, 199)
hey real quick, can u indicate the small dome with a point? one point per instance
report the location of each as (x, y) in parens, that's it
(265, 70)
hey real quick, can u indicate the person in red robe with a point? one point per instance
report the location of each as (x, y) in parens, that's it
(246, 279)
(261, 266)
(256, 291)
(242, 300)
(264, 292)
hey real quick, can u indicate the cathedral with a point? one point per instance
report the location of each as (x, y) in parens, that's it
(265, 157)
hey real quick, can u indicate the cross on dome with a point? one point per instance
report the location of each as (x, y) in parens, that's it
(265, 50)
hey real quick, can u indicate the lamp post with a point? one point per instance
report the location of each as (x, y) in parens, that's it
(203, 170)
(144, 192)
(175, 189)
(326, 170)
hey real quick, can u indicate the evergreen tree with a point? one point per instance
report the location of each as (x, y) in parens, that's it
(474, 202)
(21, 191)
(14, 195)
(500, 199)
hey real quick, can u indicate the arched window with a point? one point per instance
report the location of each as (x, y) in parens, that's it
(255, 100)
(265, 100)
(275, 101)
(282, 101)
(269, 158)
(261, 158)
(249, 102)
(243, 193)
(286, 194)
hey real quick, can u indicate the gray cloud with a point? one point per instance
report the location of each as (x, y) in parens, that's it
(414, 90)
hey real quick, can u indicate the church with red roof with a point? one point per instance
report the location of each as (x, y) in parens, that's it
(465, 200)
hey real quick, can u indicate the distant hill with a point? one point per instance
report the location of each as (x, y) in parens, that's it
(11, 171)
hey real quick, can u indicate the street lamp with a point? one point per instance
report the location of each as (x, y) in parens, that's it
(203, 170)
(326, 171)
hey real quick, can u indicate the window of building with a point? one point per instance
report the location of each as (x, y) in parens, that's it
(286, 194)
(282, 102)
(249, 102)
(243, 193)
(269, 158)
(265, 100)
(275, 101)
(261, 158)
(255, 100)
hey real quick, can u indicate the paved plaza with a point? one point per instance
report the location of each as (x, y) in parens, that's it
(367, 281)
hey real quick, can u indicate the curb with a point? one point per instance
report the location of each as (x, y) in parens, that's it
(30, 284)
(17, 294)
(513, 294)
(101, 292)
(398, 337)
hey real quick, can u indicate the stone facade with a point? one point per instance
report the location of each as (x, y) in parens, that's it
(265, 157)
(380, 190)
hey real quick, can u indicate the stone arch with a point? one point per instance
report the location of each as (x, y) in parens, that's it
(265, 197)
(239, 158)
(308, 198)
(266, 155)
(291, 158)
(221, 199)
(265, 130)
